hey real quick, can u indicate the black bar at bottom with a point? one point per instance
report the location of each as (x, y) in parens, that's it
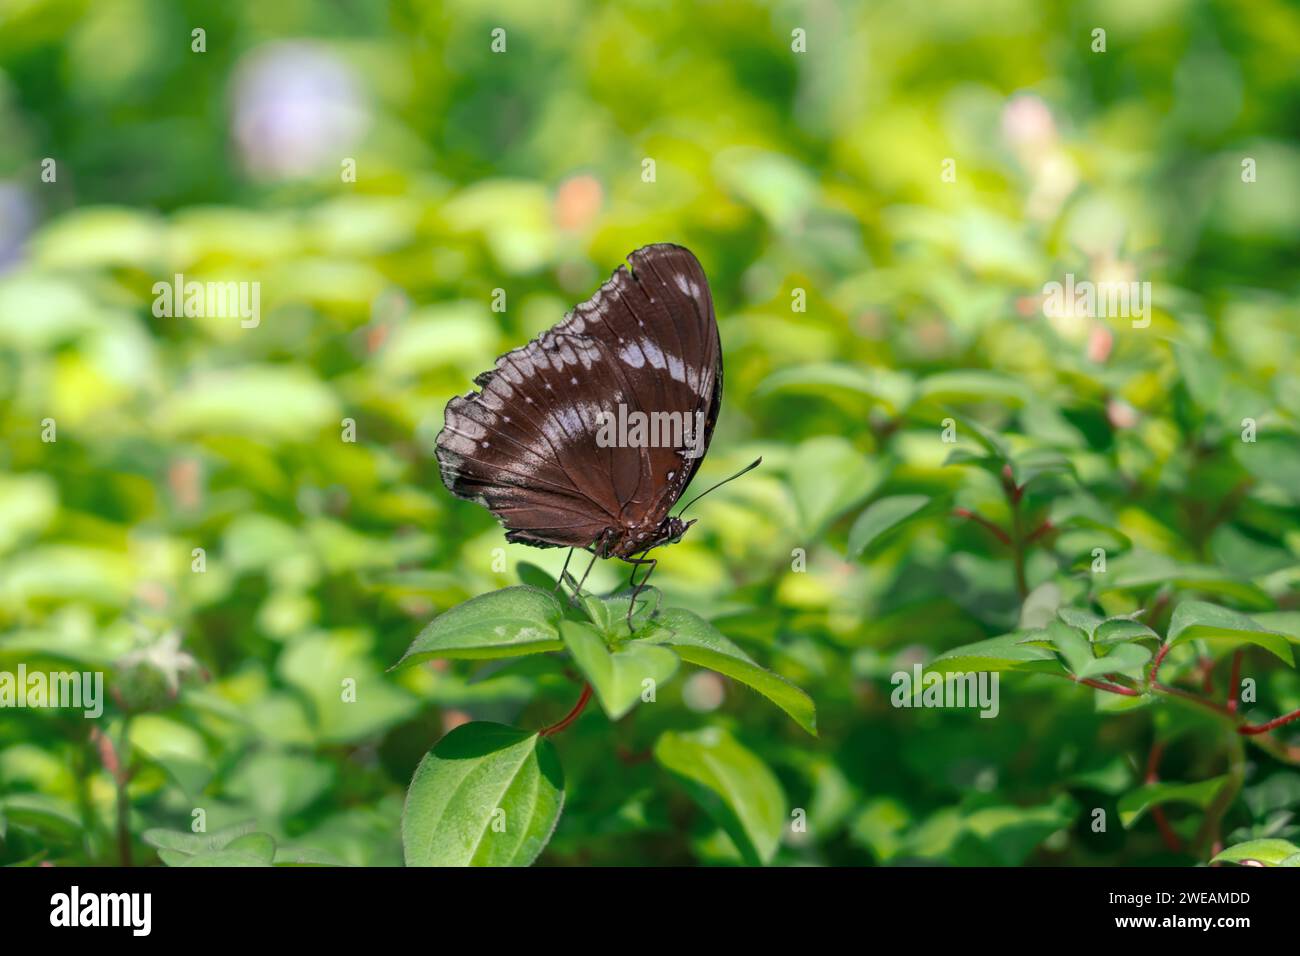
(335, 906)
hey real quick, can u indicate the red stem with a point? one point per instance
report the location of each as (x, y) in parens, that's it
(1207, 675)
(1045, 528)
(1158, 813)
(1188, 695)
(984, 523)
(1155, 664)
(1234, 683)
(630, 758)
(1265, 728)
(571, 716)
(1101, 685)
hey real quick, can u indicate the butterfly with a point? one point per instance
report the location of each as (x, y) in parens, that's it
(587, 436)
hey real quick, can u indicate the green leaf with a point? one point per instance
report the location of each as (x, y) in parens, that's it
(276, 785)
(1139, 570)
(515, 620)
(1267, 852)
(1081, 618)
(305, 856)
(259, 845)
(986, 437)
(485, 795)
(975, 385)
(1132, 805)
(224, 858)
(648, 603)
(1197, 620)
(1040, 606)
(235, 401)
(533, 576)
(179, 841)
(1124, 659)
(617, 676)
(892, 389)
(316, 665)
(698, 642)
(733, 786)
(1010, 652)
(1274, 459)
(39, 811)
(1081, 657)
(1119, 630)
(879, 517)
(1027, 470)
(829, 476)
(1286, 623)
(1073, 647)
(597, 612)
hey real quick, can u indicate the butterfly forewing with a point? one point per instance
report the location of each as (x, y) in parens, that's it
(526, 445)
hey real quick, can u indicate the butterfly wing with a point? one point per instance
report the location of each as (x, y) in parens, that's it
(526, 447)
(667, 301)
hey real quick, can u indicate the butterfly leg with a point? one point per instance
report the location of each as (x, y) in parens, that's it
(637, 588)
(594, 556)
(559, 583)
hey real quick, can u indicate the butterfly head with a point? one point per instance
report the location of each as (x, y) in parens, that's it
(631, 542)
(671, 529)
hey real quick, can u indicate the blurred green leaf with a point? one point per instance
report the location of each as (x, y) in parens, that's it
(698, 642)
(880, 516)
(733, 786)
(1137, 802)
(829, 476)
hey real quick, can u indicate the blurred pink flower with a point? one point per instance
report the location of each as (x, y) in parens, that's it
(1027, 122)
(1121, 414)
(578, 201)
(1100, 342)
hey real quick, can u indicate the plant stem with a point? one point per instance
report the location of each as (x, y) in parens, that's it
(1194, 698)
(1251, 729)
(116, 762)
(984, 523)
(571, 716)
(1208, 836)
(1014, 494)
(1158, 813)
(1102, 685)
(1234, 682)
(1155, 664)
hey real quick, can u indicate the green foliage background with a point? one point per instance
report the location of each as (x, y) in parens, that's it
(817, 171)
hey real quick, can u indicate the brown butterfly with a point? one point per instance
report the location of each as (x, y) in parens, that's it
(550, 443)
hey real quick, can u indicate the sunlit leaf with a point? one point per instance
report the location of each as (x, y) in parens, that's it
(485, 795)
(514, 620)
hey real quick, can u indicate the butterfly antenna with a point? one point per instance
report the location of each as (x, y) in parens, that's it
(750, 467)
